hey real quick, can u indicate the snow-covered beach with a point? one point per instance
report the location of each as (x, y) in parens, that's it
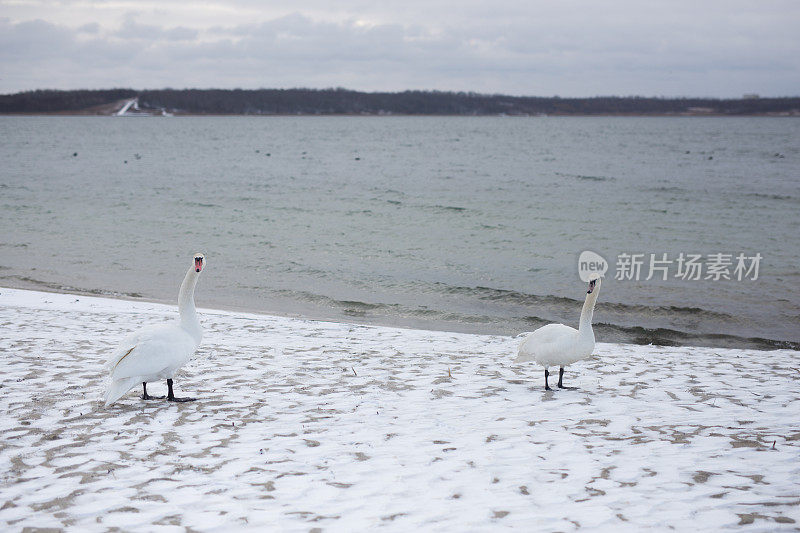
(321, 426)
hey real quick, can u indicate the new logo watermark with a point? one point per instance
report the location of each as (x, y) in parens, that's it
(685, 266)
(591, 263)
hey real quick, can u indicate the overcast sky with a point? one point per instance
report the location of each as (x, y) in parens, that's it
(714, 48)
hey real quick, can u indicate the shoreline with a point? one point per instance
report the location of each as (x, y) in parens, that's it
(648, 337)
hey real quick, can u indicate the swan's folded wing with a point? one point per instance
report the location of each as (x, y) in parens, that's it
(124, 348)
(160, 349)
(553, 333)
(545, 342)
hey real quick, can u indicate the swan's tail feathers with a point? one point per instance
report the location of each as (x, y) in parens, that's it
(117, 389)
(523, 357)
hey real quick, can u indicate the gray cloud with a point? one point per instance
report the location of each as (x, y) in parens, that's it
(33, 40)
(132, 30)
(673, 49)
(92, 27)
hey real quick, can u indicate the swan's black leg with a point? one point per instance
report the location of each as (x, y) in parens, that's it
(146, 396)
(561, 380)
(171, 397)
(546, 375)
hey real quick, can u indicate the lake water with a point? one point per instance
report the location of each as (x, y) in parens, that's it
(455, 223)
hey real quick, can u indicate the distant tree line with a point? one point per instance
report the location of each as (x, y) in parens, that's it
(342, 101)
(46, 101)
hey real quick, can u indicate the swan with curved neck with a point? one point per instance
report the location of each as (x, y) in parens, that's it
(157, 352)
(560, 345)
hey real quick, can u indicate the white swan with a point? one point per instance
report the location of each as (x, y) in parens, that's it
(157, 352)
(560, 345)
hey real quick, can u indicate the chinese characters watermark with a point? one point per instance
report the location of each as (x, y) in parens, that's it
(684, 266)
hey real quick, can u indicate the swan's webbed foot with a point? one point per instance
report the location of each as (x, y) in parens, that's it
(146, 396)
(546, 375)
(176, 399)
(171, 396)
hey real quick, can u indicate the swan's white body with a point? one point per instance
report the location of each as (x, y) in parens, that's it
(156, 352)
(555, 345)
(560, 345)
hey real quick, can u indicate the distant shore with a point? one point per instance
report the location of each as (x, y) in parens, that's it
(376, 115)
(342, 102)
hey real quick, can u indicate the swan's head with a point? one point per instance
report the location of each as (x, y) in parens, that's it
(594, 282)
(199, 262)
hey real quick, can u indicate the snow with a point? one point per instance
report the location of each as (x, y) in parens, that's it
(303, 425)
(122, 112)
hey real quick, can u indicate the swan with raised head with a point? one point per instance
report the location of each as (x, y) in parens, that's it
(560, 345)
(158, 352)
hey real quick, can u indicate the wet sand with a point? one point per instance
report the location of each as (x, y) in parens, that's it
(303, 425)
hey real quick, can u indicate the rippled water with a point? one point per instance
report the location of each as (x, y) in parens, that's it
(471, 224)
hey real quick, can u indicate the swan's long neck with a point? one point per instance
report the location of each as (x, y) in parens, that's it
(585, 327)
(189, 320)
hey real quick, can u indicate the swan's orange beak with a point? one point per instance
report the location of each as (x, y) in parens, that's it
(198, 264)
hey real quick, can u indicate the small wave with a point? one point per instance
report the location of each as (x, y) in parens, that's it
(58, 287)
(450, 208)
(328, 301)
(362, 309)
(520, 298)
(767, 196)
(606, 332)
(585, 177)
(355, 304)
(293, 209)
(672, 337)
(666, 189)
(200, 204)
